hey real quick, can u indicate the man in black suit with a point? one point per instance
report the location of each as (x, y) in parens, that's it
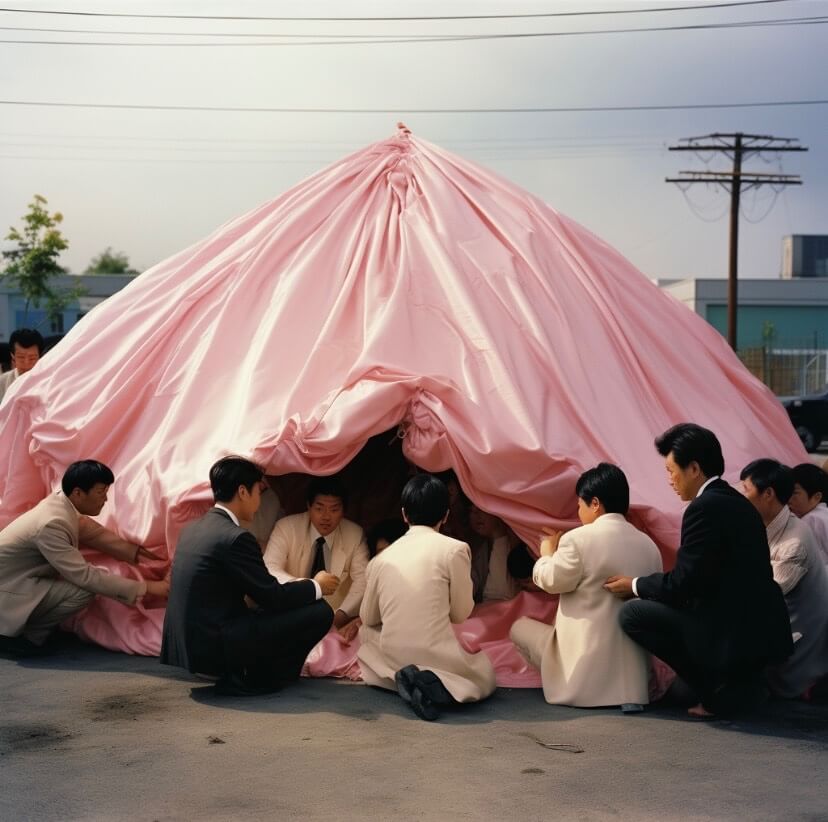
(718, 618)
(208, 627)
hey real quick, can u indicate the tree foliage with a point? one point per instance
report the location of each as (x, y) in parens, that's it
(33, 263)
(110, 262)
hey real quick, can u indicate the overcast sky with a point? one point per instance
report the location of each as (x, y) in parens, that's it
(150, 182)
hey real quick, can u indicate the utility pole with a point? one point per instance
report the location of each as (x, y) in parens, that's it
(737, 146)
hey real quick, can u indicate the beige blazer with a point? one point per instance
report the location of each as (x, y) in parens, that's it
(416, 589)
(41, 546)
(289, 556)
(6, 379)
(587, 660)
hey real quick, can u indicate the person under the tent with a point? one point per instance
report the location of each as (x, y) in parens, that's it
(808, 502)
(322, 539)
(717, 618)
(208, 627)
(584, 658)
(44, 578)
(415, 590)
(490, 557)
(798, 570)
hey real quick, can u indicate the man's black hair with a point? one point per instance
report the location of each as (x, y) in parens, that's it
(768, 473)
(327, 487)
(229, 473)
(688, 443)
(607, 482)
(425, 500)
(26, 338)
(812, 478)
(84, 475)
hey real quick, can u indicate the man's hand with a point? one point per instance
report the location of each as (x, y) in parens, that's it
(349, 630)
(549, 544)
(620, 586)
(327, 582)
(158, 588)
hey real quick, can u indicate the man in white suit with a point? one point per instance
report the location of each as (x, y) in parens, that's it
(416, 589)
(321, 539)
(585, 658)
(44, 578)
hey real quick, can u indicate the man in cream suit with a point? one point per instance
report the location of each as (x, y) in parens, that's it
(44, 577)
(585, 658)
(416, 589)
(321, 539)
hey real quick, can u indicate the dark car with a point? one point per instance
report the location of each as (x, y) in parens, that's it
(809, 416)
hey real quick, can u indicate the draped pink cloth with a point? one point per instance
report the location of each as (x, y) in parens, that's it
(401, 285)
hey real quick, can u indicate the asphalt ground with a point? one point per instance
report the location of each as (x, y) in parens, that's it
(88, 734)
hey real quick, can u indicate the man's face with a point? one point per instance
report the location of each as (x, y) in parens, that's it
(684, 481)
(763, 501)
(326, 513)
(24, 359)
(800, 503)
(92, 501)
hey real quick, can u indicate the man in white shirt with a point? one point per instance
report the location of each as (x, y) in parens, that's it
(26, 347)
(798, 570)
(322, 539)
(808, 502)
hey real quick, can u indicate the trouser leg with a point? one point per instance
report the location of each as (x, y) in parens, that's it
(662, 631)
(286, 639)
(62, 600)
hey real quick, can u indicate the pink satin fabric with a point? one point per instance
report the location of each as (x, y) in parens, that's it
(400, 285)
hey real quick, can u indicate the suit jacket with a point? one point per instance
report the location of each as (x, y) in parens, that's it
(588, 659)
(416, 589)
(208, 628)
(40, 547)
(289, 556)
(723, 577)
(6, 379)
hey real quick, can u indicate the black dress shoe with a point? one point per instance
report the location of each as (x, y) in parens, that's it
(22, 648)
(408, 687)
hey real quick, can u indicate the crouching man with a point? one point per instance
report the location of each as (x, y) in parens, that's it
(208, 627)
(44, 578)
(415, 589)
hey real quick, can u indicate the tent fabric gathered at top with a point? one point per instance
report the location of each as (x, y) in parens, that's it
(401, 286)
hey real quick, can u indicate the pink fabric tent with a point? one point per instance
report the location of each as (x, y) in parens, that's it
(402, 285)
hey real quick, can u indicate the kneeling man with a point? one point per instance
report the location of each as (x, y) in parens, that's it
(585, 658)
(415, 589)
(208, 627)
(44, 578)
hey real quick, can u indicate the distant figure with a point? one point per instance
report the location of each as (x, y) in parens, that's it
(383, 534)
(322, 539)
(798, 570)
(26, 347)
(585, 658)
(490, 557)
(416, 589)
(808, 502)
(44, 578)
(718, 618)
(208, 627)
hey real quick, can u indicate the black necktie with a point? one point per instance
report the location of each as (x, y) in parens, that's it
(318, 557)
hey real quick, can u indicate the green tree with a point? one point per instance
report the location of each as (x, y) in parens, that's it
(33, 264)
(110, 262)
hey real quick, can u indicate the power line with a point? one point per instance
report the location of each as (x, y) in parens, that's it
(356, 40)
(400, 110)
(510, 16)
